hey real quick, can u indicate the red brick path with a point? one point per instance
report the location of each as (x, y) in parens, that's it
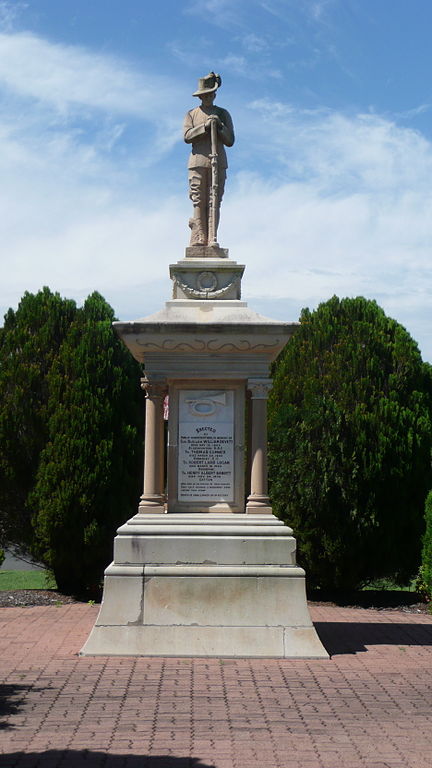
(370, 706)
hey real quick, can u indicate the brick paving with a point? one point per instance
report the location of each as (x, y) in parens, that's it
(370, 706)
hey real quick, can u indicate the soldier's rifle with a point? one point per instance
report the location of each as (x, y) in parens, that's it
(214, 189)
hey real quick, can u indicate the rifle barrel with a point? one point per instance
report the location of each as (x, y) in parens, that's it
(214, 189)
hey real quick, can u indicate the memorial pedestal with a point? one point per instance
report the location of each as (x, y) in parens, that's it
(205, 569)
(204, 585)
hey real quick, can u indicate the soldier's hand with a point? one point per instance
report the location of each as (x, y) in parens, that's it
(211, 118)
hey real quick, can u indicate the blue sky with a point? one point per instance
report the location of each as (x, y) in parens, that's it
(330, 180)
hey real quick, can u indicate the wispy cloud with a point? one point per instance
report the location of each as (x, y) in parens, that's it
(409, 114)
(318, 8)
(358, 152)
(347, 210)
(248, 68)
(9, 13)
(251, 65)
(314, 10)
(302, 245)
(253, 42)
(69, 78)
(78, 202)
(221, 13)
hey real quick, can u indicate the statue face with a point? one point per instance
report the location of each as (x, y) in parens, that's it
(207, 99)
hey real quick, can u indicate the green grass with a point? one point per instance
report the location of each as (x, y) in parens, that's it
(389, 585)
(26, 580)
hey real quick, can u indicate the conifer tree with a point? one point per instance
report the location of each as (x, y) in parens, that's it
(29, 343)
(88, 480)
(350, 437)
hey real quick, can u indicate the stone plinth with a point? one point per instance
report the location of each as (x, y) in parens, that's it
(206, 273)
(204, 585)
(206, 252)
(206, 279)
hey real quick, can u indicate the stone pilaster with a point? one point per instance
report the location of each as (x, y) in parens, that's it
(258, 501)
(153, 497)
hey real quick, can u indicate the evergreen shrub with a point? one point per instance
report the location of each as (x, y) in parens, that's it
(89, 475)
(350, 437)
(29, 343)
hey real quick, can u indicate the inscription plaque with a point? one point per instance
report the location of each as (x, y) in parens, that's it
(206, 445)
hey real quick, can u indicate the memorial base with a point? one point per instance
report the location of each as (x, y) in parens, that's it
(204, 585)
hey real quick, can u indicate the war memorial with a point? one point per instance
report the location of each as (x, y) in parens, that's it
(204, 568)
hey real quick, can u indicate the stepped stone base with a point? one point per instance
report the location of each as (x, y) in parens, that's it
(204, 585)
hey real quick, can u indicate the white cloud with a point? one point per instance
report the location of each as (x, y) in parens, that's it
(252, 70)
(221, 13)
(408, 114)
(301, 247)
(347, 209)
(83, 102)
(254, 43)
(360, 152)
(318, 8)
(76, 207)
(232, 13)
(304, 244)
(70, 78)
(9, 13)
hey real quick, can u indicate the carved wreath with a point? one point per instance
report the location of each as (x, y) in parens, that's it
(193, 292)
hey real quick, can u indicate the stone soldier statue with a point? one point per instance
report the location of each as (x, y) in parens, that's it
(209, 129)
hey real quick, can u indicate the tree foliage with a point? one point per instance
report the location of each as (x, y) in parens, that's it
(88, 478)
(350, 443)
(70, 434)
(29, 343)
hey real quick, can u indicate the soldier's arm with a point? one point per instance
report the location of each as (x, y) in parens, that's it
(227, 131)
(191, 132)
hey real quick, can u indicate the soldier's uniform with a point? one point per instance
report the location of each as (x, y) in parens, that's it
(200, 174)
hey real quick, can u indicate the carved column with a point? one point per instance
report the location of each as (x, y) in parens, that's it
(258, 501)
(153, 497)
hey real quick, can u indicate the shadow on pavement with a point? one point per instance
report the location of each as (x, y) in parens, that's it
(70, 758)
(351, 637)
(11, 697)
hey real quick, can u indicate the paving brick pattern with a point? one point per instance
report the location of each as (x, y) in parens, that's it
(370, 706)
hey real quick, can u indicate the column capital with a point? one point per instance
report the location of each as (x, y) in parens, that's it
(259, 388)
(154, 387)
